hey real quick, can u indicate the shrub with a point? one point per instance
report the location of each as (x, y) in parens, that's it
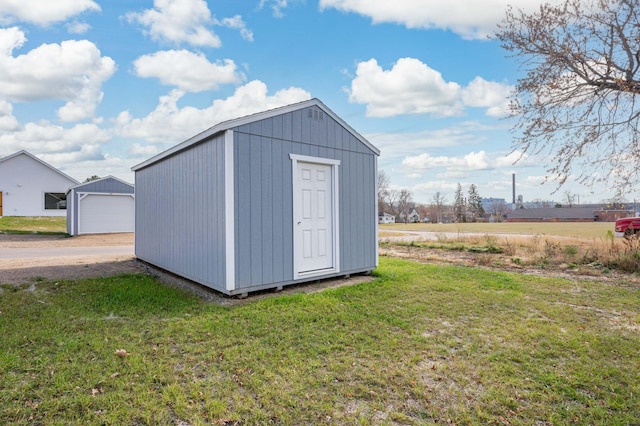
(570, 250)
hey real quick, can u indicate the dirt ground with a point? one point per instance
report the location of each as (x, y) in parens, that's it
(20, 271)
(25, 271)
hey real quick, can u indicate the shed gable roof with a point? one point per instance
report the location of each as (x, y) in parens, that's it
(90, 183)
(33, 157)
(229, 124)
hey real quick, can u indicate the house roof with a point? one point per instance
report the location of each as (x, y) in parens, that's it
(98, 180)
(229, 124)
(33, 157)
(553, 213)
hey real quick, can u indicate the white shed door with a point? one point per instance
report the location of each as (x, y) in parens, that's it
(106, 213)
(314, 213)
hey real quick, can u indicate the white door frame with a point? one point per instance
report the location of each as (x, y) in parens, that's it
(297, 249)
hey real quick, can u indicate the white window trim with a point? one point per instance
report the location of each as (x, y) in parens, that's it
(335, 164)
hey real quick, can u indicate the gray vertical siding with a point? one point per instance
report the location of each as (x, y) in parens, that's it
(263, 194)
(180, 213)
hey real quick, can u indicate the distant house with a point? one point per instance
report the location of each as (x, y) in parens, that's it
(31, 187)
(386, 218)
(413, 216)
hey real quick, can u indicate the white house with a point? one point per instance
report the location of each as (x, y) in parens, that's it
(31, 187)
(386, 218)
(412, 217)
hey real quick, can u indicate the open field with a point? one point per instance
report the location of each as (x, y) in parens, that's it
(420, 344)
(37, 224)
(570, 229)
(565, 229)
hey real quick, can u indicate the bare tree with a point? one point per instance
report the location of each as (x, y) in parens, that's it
(383, 190)
(438, 201)
(577, 99)
(424, 211)
(391, 201)
(569, 198)
(497, 209)
(404, 198)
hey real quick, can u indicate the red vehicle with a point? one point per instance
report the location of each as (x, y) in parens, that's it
(627, 227)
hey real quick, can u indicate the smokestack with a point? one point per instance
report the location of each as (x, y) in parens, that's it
(513, 179)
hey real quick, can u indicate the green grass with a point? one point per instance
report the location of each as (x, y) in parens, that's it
(565, 229)
(33, 224)
(420, 344)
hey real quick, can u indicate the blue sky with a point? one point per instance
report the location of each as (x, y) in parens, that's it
(95, 87)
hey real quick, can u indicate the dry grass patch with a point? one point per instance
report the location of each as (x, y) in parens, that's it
(586, 256)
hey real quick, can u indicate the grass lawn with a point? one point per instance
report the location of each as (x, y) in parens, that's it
(420, 344)
(37, 224)
(564, 229)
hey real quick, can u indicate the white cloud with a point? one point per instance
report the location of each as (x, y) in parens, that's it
(143, 150)
(481, 93)
(109, 164)
(169, 123)
(7, 120)
(516, 159)
(72, 71)
(178, 21)
(475, 19)
(236, 23)
(43, 12)
(445, 187)
(53, 142)
(394, 146)
(472, 161)
(276, 6)
(456, 167)
(412, 87)
(78, 27)
(188, 71)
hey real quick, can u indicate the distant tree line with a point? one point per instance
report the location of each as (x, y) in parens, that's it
(399, 203)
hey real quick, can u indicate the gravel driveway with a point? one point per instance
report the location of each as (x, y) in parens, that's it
(24, 258)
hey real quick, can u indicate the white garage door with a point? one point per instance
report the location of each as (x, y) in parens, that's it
(106, 213)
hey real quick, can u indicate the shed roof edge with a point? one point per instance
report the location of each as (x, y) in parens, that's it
(98, 180)
(229, 124)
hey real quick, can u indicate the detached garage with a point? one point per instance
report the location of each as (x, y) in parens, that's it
(275, 198)
(102, 206)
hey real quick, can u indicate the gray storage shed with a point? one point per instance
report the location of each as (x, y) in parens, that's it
(263, 201)
(101, 206)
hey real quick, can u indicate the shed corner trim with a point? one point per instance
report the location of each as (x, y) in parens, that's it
(229, 212)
